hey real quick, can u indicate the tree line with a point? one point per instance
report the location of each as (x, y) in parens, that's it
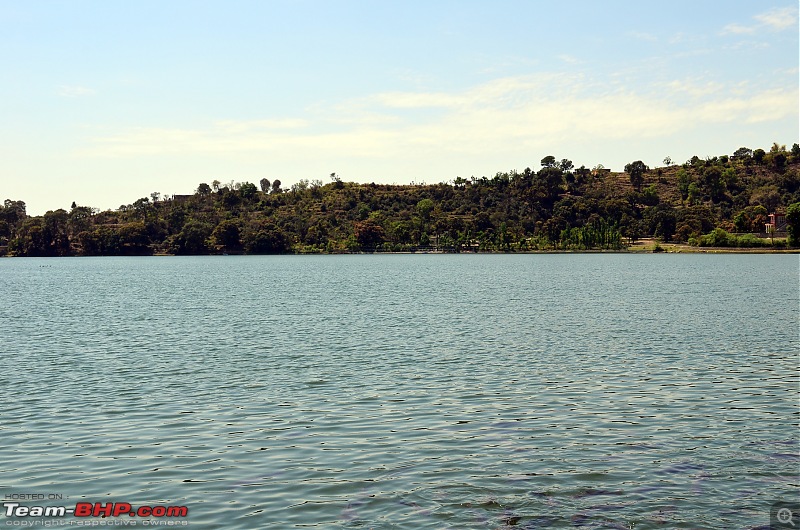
(559, 206)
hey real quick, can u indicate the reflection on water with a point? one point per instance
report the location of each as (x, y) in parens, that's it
(535, 391)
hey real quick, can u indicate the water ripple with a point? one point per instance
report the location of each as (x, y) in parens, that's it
(598, 391)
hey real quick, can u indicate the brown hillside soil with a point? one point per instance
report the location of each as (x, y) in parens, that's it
(618, 184)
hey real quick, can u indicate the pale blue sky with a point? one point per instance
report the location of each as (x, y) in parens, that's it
(105, 102)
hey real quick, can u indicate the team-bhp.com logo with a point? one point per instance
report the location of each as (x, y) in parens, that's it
(94, 509)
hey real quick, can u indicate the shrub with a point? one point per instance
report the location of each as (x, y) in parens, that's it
(720, 238)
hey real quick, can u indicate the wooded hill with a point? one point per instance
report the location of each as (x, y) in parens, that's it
(558, 206)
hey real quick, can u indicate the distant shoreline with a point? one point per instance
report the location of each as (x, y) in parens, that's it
(742, 203)
(667, 248)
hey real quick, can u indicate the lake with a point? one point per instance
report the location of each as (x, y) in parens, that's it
(405, 391)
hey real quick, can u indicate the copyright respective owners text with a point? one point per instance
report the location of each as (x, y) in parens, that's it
(784, 515)
(50, 510)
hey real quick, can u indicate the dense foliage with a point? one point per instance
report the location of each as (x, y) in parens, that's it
(703, 201)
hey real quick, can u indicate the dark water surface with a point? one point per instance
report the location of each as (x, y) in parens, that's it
(406, 391)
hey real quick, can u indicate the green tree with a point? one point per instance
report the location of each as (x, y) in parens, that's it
(550, 184)
(133, 239)
(300, 186)
(548, 161)
(317, 234)
(425, 207)
(230, 198)
(650, 196)
(636, 171)
(247, 190)
(631, 227)
(79, 220)
(424, 240)
(793, 224)
(779, 160)
(203, 189)
(141, 206)
(713, 182)
(30, 239)
(43, 236)
(226, 235)
(694, 194)
(552, 228)
(767, 196)
(192, 239)
(264, 183)
(265, 238)
(683, 183)
(777, 148)
(401, 232)
(661, 220)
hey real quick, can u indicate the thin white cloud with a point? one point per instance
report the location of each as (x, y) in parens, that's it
(501, 116)
(569, 59)
(777, 19)
(748, 45)
(496, 92)
(738, 29)
(641, 35)
(239, 127)
(677, 38)
(493, 65)
(411, 100)
(694, 88)
(69, 91)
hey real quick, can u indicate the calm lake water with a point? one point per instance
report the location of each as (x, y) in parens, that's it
(406, 391)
